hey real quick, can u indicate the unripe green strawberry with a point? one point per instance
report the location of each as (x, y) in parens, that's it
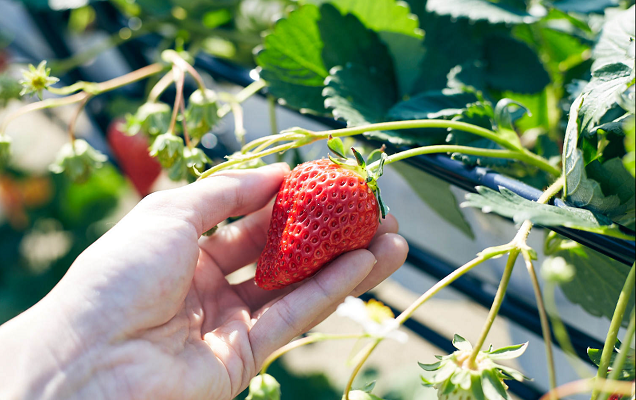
(361, 395)
(78, 160)
(264, 387)
(456, 379)
(151, 118)
(321, 211)
(195, 160)
(5, 150)
(168, 149)
(201, 114)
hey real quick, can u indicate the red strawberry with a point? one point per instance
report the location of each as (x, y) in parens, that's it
(321, 211)
(132, 155)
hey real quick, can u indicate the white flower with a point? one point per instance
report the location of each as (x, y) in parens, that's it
(376, 319)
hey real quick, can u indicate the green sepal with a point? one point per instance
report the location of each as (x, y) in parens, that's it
(5, 150)
(508, 352)
(359, 158)
(195, 160)
(336, 146)
(461, 344)
(338, 161)
(77, 160)
(168, 149)
(384, 210)
(430, 367)
(202, 112)
(263, 387)
(492, 386)
(152, 118)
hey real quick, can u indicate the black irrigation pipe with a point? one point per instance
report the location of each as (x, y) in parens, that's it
(513, 307)
(454, 172)
(525, 390)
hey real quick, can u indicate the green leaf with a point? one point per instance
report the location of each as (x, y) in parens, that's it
(407, 53)
(629, 369)
(584, 7)
(586, 192)
(336, 146)
(616, 41)
(629, 160)
(461, 344)
(513, 65)
(433, 104)
(359, 95)
(430, 367)
(508, 352)
(291, 60)
(448, 43)
(500, 12)
(511, 205)
(379, 15)
(492, 386)
(597, 281)
(511, 373)
(437, 194)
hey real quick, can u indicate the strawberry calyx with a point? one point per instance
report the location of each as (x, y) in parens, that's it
(455, 378)
(359, 166)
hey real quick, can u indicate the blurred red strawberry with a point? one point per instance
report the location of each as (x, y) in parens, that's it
(4, 60)
(132, 154)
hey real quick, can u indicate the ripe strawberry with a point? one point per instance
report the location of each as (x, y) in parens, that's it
(132, 155)
(321, 211)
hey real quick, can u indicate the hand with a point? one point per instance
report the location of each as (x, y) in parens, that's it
(146, 311)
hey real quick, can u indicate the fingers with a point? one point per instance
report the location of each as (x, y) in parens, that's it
(256, 297)
(209, 201)
(287, 318)
(240, 243)
(390, 250)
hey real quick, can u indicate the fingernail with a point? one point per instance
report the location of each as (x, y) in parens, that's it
(375, 261)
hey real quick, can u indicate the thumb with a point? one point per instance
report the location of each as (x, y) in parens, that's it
(209, 201)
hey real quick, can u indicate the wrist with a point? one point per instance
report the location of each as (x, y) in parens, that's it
(42, 357)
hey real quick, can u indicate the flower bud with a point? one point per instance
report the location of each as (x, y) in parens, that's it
(361, 395)
(37, 79)
(264, 387)
(557, 270)
(168, 149)
(77, 160)
(5, 150)
(195, 160)
(201, 114)
(151, 118)
(10, 88)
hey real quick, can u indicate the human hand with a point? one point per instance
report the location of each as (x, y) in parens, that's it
(146, 311)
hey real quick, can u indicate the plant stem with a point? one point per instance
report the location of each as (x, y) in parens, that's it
(615, 324)
(543, 317)
(243, 95)
(619, 362)
(271, 103)
(519, 245)
(73, 121)
(184, 124)
(561, 333)
(366, 353)
(448, 279)
(96, 88)
(585, 385)
(174, 57)
(311, 338)
(511, 154)
(496, 304)
(160, 87)
(179, 78)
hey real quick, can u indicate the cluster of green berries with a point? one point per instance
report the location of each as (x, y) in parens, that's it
(153, 119)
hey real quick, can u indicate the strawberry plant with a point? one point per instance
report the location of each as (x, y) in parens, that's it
(540, 91)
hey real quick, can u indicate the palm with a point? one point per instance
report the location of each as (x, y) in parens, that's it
(169, 323)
